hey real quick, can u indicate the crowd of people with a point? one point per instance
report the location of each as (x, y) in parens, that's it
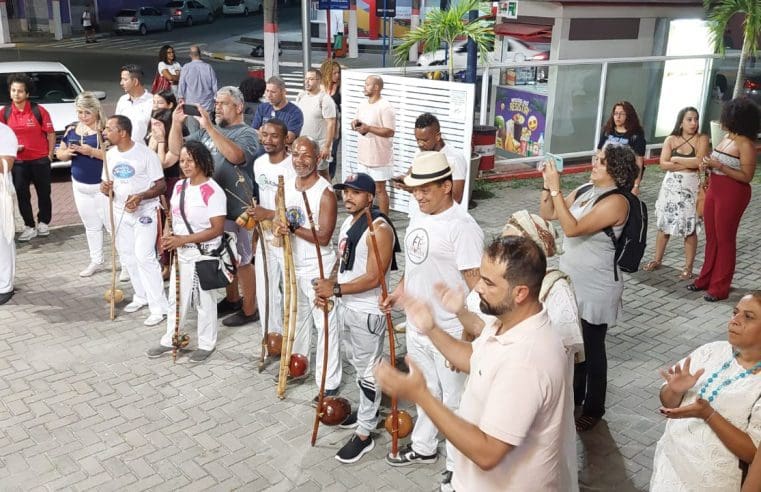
(507, 358)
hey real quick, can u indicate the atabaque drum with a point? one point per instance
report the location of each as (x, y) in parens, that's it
(298, 365)
(335, 409)
(404, 423)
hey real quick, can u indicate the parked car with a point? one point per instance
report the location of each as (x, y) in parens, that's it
(519, 50)
(241, 7)
(55, 87)
(752, 89)
(188, 12)
(142, 20)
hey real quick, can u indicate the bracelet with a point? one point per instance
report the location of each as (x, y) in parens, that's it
(545, 189)
(710, 416)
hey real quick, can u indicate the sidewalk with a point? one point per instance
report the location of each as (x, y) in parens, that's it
(83, 408)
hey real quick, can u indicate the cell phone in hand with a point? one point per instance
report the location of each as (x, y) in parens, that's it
(550, 157)
(191, 110)
(356, 124)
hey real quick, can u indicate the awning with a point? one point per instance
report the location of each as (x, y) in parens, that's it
(523, 31)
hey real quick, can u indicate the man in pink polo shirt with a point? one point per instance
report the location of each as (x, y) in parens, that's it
(509, 427)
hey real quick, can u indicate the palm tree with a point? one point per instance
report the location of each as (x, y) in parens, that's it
(271, 46)
(447, 26)
(719, 13)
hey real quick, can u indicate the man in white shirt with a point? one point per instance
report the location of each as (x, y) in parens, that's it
(136, 178)
(8, 151)
(137, 103)
(442, 244)
(319, 112)
(375, 122)
(509, 429)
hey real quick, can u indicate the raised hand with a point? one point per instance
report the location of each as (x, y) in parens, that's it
(419, 313)
(451, 299)
(679, 379)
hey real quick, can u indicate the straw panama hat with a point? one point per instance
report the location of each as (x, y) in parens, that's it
(427, 167)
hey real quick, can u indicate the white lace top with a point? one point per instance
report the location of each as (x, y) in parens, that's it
(690, 457)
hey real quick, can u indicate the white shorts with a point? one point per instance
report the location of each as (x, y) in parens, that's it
(383, 173)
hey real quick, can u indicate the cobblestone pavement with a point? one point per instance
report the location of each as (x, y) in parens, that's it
(83, 408)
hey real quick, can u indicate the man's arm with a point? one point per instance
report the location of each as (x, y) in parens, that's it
(458, 189)
(229, 149)
(51, 145)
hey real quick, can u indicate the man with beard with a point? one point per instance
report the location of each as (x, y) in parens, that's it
(357, 290)
(322, 202)
(278, 106)
(232, 144)
(508, 430)
(442, 244)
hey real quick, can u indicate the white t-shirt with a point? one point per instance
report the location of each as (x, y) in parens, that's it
(266, 174)
(201, 202)
(372, 150)
(316, 109)
(86, 19)
(516, 393)
(138, 112)
(8, 141)
(173, 68)
(437, 248)
(133, 171)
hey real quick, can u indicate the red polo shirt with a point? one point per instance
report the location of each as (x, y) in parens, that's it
(28, 131)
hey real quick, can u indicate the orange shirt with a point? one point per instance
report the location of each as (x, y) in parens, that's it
(28, 131)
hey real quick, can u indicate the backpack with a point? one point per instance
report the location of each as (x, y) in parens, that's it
(630, 245)
(35, 111)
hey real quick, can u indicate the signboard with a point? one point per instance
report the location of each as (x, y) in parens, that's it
(520, 117)
(508, 9)
(385, 8)
(333, 4)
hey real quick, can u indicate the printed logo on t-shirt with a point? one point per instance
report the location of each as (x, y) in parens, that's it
(265, 182)
(294, 215)
(145, 220)
(123, 170)
(416, 245)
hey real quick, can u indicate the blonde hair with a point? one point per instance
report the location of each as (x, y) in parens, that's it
(87, 101)
(326, 68)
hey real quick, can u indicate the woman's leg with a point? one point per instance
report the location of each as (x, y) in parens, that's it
(597, 368)
(690, 249)
(88, 203)
(709, 221)
(661, 240)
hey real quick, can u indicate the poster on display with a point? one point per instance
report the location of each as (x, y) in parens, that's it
(333, 4)
(520, 118)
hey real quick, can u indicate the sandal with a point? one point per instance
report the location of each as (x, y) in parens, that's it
(694, 288)
(652, 265)
(710, 298)
(686, 275)
(585, 423)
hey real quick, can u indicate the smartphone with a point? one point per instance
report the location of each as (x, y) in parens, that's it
(547, 157)
(355, 124)
(191, 110)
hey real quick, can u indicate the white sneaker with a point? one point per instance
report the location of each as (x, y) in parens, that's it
(123, 275)
(28, 234)
(43, 229)
(154, 319)
(91, 268)
(134, 306)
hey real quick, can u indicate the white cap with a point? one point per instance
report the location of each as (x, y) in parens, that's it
(8, 141)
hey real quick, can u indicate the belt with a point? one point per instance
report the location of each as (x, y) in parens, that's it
(42, 160)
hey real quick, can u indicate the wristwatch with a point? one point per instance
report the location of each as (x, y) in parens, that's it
(554, 193)
(337, 290)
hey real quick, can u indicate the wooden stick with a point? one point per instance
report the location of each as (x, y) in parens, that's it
(389, 328)
(289, 291)
(325, 331)
(263, 245)
(176, 264)
(112, 312)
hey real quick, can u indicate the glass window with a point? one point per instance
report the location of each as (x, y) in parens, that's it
(49, 88)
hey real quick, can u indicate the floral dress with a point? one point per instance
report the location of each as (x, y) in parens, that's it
(675, 211)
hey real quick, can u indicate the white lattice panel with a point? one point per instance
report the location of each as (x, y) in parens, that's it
(452, 103)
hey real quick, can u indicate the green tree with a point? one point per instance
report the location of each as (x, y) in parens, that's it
(719, 13)
(446, 26)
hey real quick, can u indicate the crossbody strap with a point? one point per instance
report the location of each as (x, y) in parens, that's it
(182, 212)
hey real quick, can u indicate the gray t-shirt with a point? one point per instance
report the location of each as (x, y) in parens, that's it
(236, 179)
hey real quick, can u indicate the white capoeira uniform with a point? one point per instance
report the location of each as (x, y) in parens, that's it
(201, 203)
(305, 263)
(134, 171)
(8, 147)
(437, 248)
(265, 175)
(363, 328)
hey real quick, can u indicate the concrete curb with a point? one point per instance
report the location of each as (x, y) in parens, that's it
(297, 45)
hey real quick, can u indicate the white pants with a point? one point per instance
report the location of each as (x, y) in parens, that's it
(363, 335)
(206, 306)
(309, 317)
(136, 243)
(275, 276)
(444, 383)
(7, 264)
(92, 207)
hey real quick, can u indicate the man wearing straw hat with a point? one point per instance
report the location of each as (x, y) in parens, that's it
(443, 243)
(233, 145)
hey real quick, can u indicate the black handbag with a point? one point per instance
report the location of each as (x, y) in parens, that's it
(213, 273)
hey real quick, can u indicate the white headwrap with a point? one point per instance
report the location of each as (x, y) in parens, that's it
(537, 229)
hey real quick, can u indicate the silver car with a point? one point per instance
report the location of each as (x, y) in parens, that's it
(142, 20)
(188, 12)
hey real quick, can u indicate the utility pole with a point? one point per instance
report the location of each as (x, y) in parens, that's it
(353, 43)
(306, 39)
(271, 45)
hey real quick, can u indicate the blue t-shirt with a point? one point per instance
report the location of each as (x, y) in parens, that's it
(84, 169)
(290, 114)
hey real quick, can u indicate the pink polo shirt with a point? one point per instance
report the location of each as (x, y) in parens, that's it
(373, 150)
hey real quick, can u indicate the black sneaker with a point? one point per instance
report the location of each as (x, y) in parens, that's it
(5, 297)
(446, 482)
(240, 319)
(408, 457)
(226, 307)
(355, 449)
(349, 423)
(327, 393)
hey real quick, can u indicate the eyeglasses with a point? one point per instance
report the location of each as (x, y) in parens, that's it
(617, 113)
(599, 160)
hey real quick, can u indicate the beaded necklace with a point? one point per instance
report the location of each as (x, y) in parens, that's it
(727, 381)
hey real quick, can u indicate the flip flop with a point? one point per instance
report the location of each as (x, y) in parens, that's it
(652, 265)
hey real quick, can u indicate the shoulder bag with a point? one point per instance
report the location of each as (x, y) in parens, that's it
(219, 271)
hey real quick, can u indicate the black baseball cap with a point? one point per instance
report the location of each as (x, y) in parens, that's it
(358, 181)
